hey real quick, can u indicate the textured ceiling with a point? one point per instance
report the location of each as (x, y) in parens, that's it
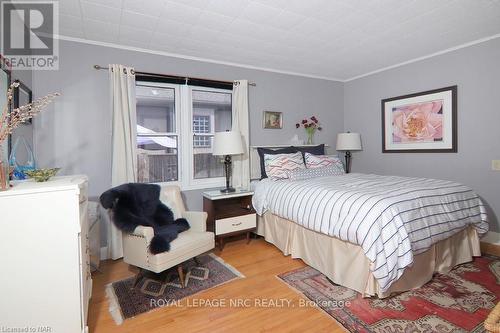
(335, 39)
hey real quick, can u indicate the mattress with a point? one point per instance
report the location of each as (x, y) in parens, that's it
(392, 219)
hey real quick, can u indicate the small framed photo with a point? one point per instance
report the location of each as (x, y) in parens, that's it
(272, 120)
(22, 95)
(424, 122)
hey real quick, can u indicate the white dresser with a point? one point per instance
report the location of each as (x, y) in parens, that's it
(45, 281)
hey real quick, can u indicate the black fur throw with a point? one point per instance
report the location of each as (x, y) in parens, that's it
(139, 204)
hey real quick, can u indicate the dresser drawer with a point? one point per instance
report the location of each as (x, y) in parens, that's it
(232, 224)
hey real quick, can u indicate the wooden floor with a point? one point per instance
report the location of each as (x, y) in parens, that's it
(259, 261)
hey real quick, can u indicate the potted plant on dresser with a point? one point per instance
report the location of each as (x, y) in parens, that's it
(9, 121)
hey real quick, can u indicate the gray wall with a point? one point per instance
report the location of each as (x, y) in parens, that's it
(476, 71)
(25, 76)
(75, 133)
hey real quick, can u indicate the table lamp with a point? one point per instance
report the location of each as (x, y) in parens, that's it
(227, 144)
(348, 142)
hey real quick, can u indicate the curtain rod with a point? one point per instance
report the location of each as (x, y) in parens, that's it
(98, 67)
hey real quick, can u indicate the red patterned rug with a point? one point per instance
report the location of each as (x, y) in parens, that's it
(455, 302)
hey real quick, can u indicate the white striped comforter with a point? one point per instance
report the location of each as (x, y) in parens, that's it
(391, 218)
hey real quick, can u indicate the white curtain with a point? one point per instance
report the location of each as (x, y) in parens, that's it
(241, 163)
(124, 157)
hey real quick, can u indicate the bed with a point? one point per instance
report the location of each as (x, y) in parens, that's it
(374, 234)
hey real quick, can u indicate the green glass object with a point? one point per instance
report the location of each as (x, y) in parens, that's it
(42, 175)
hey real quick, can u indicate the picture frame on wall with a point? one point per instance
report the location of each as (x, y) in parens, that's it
(22, 95)
(272, 120)
(424, 122)
(5, 79)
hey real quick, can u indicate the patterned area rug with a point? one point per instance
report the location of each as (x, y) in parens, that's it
(455, 302)
(153, 292)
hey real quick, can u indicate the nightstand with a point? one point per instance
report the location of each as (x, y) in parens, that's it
(229, 214)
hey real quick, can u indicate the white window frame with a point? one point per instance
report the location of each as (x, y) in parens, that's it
(177, 104)
(185, 137)
(192, 183)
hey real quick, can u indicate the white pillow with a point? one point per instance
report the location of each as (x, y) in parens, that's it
(321, 161)
(278, 166)
(301, 174)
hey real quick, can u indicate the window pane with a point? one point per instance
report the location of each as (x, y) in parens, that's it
(201, 129)
(156, 108)
(207, 165)
(157, 158)
(211, 113)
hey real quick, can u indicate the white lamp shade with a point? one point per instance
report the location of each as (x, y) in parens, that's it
(227, 143)
(349, 141)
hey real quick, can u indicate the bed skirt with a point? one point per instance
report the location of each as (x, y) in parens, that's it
(345, 263)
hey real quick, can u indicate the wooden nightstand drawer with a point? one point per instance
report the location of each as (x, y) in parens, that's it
(232, 224)
(229, 214)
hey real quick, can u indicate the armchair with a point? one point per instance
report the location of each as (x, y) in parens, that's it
(187, 245)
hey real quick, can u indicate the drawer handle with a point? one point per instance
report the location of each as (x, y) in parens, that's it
(236, 224)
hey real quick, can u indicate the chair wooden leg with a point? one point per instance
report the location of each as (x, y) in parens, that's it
(138, 278)
(181, 275)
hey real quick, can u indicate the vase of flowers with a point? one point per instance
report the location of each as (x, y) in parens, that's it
(310, 125)
(9, 121)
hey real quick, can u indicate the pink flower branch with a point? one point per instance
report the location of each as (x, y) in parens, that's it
(10, 121)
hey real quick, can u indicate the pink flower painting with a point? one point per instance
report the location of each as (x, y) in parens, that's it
(419, 122)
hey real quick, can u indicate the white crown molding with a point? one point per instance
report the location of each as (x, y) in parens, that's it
(451, 49)
(186, 57)
(272, 70)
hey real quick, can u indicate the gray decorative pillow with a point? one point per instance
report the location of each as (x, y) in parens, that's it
(302, 174)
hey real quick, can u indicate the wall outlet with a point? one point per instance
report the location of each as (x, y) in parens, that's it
(495, 165)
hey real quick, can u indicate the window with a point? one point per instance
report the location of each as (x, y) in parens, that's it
(157, 137)
(175, 129)
(201, 126)
(211, 113)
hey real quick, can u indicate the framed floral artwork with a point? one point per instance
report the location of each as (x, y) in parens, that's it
(272, 120)
(424, 122)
